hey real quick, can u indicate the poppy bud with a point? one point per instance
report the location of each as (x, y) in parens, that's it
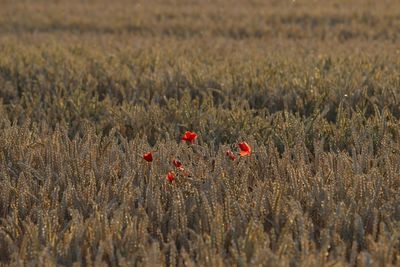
(148, 157)
(231, 155)
(170, 176)
(178, 164)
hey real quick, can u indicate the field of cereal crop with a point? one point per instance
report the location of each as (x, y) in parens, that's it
(96, 97)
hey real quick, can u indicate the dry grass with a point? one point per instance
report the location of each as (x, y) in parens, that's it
(87, 87)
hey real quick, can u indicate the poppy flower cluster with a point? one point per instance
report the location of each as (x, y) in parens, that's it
(244, 151)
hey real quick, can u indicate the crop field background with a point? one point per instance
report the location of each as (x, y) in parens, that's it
(88, 87)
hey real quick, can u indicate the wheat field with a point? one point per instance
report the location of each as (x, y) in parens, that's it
(88, 87)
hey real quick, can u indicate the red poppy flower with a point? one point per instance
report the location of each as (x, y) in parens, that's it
(170, 176)
(189, 136)
(148, 157)
(178, 165)
(231, 155)
(245, 149)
